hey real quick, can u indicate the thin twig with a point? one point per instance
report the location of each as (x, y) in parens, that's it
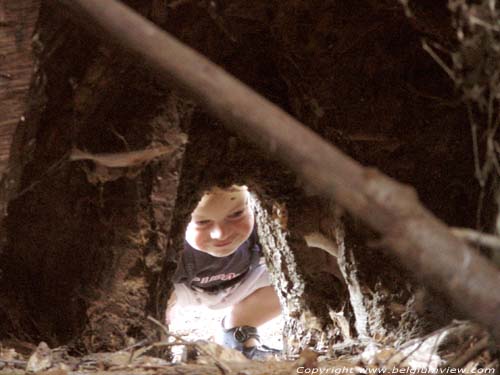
(496, 125)
(480, 203)
(483, 239)
(180, 341)
(54, 167)
(450, 327)
(494, 158)
(14, 362)
(491, 101)
(497, 147)
(137, 344)
(438, 60)
(470, 353)
(163, 327)
(421, 340)
(121, 137)
(406, 356)
(159, 344)
(477, 21)
(435, 347)
(475, 147)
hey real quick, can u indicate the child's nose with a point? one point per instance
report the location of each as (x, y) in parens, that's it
(218, 232)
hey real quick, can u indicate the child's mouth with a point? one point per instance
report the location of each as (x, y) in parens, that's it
(225, 243)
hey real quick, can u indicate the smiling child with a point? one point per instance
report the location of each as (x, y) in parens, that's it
(221, 266)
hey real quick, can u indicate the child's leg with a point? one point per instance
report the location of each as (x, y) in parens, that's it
(255, 310)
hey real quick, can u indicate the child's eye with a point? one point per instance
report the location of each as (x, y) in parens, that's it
(202, 223)
(236, 214)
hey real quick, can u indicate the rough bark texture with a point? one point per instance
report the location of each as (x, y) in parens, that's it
(86, 244)
(17, 24)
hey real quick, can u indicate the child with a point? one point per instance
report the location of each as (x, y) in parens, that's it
(221, 266)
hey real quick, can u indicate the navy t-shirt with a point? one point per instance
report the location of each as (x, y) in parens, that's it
(201, 270)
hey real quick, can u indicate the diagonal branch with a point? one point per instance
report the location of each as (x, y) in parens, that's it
(423, 243)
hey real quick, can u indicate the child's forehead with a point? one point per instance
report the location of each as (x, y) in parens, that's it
(220, 200)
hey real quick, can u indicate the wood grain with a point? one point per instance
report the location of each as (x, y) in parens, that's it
(17, 24)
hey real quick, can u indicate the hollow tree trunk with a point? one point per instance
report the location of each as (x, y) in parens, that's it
(86, 243)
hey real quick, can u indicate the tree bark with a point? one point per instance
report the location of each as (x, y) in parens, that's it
(84, 258)
(17, 24)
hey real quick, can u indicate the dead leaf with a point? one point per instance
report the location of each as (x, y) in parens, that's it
(308, 359)
(41, 359)
(107, 360)
(210, 351)
(147, 361)
(8, 354)
(56, 371)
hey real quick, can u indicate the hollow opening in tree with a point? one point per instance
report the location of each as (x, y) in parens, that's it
(306, 278)
(222, 275)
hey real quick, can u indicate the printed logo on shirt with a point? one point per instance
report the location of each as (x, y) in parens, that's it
(222, 277)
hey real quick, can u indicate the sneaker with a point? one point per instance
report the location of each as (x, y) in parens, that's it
(235, 338)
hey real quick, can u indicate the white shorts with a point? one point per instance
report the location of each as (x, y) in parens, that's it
(255, 279)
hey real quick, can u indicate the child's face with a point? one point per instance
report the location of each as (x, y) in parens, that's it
(221, 222)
